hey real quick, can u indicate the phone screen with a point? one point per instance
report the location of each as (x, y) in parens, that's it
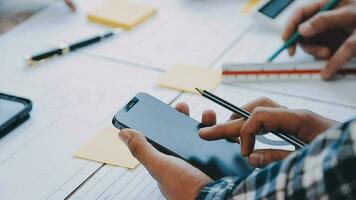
(177, 134)
(9, 109)
(273, 8)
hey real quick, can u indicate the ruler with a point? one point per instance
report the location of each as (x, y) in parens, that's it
(280, 70)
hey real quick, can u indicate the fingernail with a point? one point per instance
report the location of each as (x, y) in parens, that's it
(323, 53)
(255, 159)
(307, 29)
(326, 75)
(238, 140)
(203, 130)
(124, 136)
(290, 52)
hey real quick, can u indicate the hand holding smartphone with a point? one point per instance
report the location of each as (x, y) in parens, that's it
(176, 134)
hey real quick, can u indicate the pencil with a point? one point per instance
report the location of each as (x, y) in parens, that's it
(58, 51)
(245, 114)
(296, 36)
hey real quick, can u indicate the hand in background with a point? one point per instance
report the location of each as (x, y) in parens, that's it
(265, 115)
(71, 5)
(327, 35)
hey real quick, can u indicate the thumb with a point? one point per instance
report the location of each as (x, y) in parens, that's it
(263, 157)
(327, 20)
(139, 147)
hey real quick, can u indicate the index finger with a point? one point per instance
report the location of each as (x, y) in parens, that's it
(226, 130)
(232, 128)
(340, 58)
(300, 15)
(260, 102)
(263, 119)
(182, 107)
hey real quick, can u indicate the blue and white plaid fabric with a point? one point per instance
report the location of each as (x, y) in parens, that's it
(326, 169)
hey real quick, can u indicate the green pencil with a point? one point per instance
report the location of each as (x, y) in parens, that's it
(294, 38)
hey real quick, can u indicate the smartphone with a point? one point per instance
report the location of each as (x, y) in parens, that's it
(276, 13)
(174, 133)
(13, 112)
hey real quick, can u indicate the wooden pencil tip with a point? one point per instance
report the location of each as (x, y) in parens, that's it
(199, 90)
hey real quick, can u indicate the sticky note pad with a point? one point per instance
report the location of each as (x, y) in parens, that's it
(250, 6)
(120, 14)
(106, 147)
(188, 77)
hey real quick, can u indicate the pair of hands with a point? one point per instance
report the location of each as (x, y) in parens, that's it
(179, 180)
(329, 35)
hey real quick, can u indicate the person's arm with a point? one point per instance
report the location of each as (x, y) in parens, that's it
(323, 170)
(180, 180)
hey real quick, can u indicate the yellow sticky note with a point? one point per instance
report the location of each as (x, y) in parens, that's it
(188, 77)
(106, 147)
(250, 5)
(120, 14)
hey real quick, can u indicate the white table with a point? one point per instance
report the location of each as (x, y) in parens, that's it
(76, 95)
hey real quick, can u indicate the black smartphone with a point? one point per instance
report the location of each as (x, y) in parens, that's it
(176, 134)
(13, 112)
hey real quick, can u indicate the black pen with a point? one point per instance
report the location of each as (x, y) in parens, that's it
(243, 113)
(63, 49)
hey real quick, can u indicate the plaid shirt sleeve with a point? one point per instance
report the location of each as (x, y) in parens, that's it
(326, 169)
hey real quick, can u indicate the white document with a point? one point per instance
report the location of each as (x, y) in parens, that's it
(193, 32)
(182, 32)
(74, 97)
(260, 43)
(118, 183)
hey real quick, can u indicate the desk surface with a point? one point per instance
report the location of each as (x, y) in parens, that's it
(75, 96)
